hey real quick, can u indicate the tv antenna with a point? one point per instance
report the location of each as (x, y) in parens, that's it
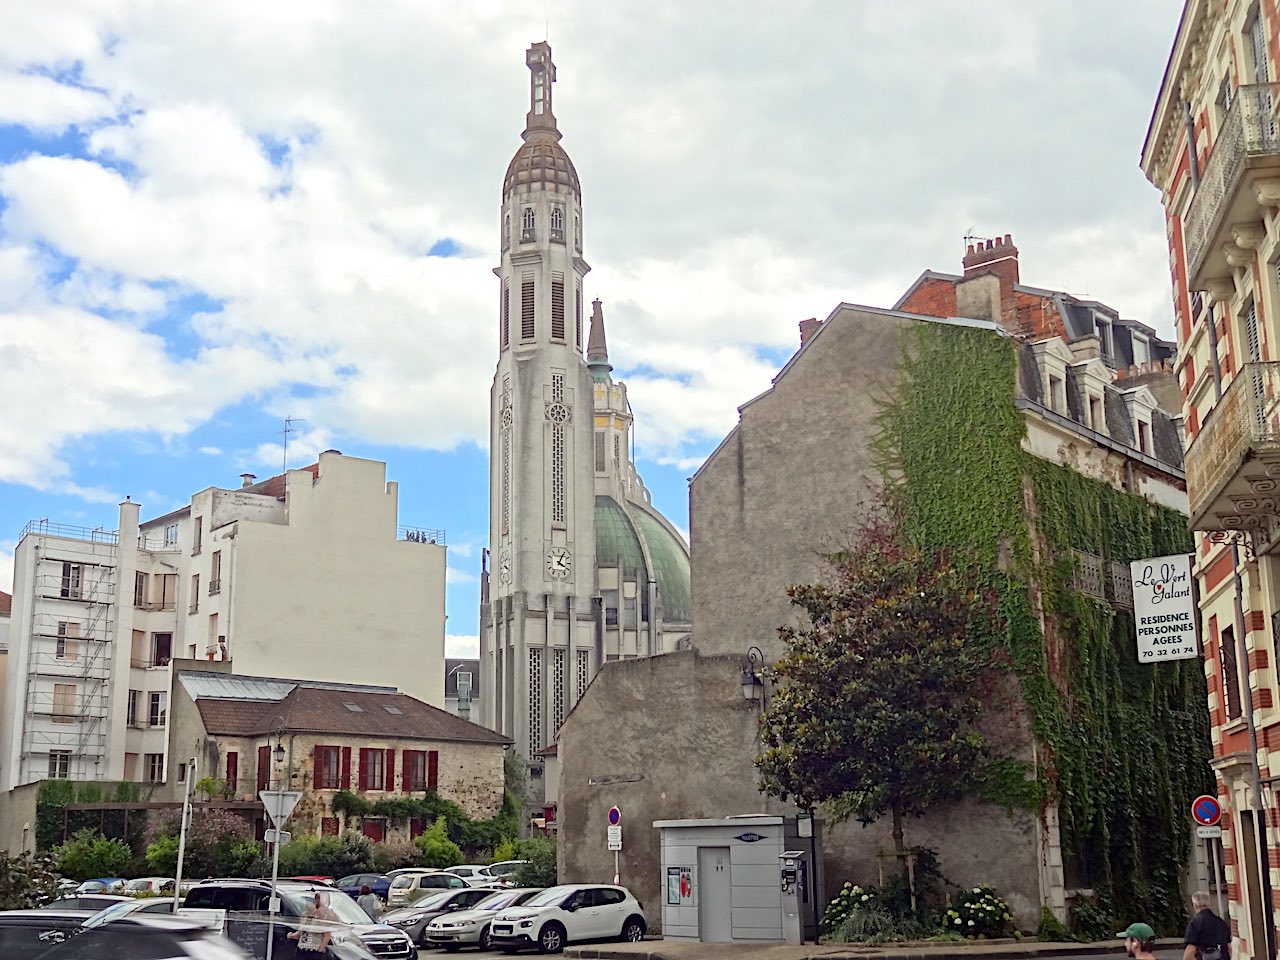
(288, 429)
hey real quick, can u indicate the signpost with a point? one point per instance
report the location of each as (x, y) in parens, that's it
(279, 804)
(1164, 609)
(1206, 811)
(614, 837)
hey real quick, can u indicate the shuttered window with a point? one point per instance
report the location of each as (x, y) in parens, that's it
(505, 307)
(527, 306)
(1230, 673)
(577, 317)
(557, 306)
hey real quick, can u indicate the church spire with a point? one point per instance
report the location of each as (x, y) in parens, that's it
(597, 350)
(542, 73)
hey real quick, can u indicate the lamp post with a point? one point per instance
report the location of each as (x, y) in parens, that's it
(752, 682)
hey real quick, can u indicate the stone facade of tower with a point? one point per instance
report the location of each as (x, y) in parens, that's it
(581, 567)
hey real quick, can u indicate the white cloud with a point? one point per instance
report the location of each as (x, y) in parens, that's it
(456, 575)
(461, 647)
(292, 163)
(211, 451)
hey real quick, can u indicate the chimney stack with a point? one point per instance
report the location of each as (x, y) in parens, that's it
(998, 256)
(246, 480)
(808, 328)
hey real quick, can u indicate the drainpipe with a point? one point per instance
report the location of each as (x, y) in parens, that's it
(1191, 145)
(1242, 658)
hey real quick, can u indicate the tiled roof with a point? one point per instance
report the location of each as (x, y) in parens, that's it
(274, 486)
(316, 710)
(6, 604)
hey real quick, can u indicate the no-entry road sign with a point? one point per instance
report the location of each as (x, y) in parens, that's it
(1206, 811)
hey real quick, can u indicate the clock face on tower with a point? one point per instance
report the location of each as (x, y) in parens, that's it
(559, 563)
(504, 567)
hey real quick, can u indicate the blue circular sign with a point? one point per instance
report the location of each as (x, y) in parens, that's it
(615, 816)
(1206, 810)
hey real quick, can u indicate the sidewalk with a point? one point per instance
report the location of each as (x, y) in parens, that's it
(1001, 949)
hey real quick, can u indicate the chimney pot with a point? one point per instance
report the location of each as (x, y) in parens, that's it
(246, 480)
(1008, 238)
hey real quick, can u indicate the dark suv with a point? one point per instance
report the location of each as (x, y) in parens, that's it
(353, 936)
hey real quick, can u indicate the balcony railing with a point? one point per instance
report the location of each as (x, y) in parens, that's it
(1087, 575)
(91, 534)
(420, 535)
(1244, 427)
(1250, 130)
(1120, 585)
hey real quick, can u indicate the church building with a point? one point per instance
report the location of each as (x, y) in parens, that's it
(582, 569)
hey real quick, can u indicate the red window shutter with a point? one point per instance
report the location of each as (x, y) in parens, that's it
(433, 769)
(264, 768)
(346, 768)
(329, 826)
(390, 782)
(233, 770)
(362, 778)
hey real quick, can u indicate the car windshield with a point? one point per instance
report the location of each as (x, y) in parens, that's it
(549, 896)
(432, 902)
(497, 901)
(346, 909)
(404, 880)
(135, 885)
(113, 912)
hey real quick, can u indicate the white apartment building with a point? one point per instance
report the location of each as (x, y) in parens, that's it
(305, 575)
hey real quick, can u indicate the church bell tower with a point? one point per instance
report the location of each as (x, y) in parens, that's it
(538, 639)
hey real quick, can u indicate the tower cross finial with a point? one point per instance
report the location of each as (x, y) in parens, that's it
(542, 74)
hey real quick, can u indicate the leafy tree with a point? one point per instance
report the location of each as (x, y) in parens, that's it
(541, 870)
(395, 855)
(88, 854)
(326, 856)
(437, 849)
(27, 881)
(162, 855)
(881, 691)
(216, 843)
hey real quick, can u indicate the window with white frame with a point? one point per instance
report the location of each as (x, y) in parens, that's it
(155, 767)
(156, 715)
(59, 764)
(170, 534)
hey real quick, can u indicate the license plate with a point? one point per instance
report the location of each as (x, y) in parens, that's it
(501, 930)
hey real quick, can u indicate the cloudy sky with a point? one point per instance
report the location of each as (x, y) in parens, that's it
(214, 216)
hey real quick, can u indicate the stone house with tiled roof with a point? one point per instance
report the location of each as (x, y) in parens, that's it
(259, 733)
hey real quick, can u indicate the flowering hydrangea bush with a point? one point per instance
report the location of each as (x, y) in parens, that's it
(978, 912)
(850, 897)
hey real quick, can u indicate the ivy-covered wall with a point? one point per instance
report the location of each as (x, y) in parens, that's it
(1124, 748)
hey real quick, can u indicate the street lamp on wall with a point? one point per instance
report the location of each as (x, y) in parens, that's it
(752, 681)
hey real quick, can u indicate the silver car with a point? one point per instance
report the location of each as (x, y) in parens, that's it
(453, 931)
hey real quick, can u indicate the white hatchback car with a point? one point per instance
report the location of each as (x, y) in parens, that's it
(568, 914)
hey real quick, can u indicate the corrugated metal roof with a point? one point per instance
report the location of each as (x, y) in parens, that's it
(222, 686)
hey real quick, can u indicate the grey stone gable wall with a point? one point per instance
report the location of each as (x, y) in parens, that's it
(1029, 384)
(1075, 397)
(1119, 423)
(1164, 438)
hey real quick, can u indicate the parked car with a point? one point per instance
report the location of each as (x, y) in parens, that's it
(379, 883)
(68, 935)
(131, 905)
(410, 885)
(133, 888)
(569, 913)
(414, 918)
(354, 936)
(453, 931)
(327, 881)
(92, 902)
(101, 885)
(503, 869)
(476, 874)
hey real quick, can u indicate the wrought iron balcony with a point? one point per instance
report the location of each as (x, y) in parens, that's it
(1248, 142)
(1233, 466)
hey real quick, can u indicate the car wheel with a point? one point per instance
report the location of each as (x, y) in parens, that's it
(551, 939)
(633, 930)
(485, 942)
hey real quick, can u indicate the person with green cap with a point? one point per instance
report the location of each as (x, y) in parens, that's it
(1139, 941)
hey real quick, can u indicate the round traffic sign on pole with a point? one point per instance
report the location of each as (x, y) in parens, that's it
(615, 816)
(1206, 810)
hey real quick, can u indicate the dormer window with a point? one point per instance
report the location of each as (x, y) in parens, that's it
(557, 224)
(1057, 394)
(527, 224)
(1144, 436)
(1096, 420)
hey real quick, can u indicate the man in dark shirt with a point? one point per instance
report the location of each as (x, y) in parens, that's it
(1208, 937)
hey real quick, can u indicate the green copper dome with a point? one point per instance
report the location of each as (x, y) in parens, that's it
(619, 531)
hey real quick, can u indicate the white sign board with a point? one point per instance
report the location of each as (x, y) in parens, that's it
(615, 838)
(279, 804)
(276, 836)
(1164, 609)
(1209, 833)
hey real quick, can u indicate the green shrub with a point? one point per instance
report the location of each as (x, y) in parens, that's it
(88, 854)
(1051, 929)
(437, 849)
(867, 923)
(394, 855)
(506, 850)
(326, 856)
(162, 855)
(980, 913)
(851, 896)
(541, 870)
(27, 881)
(1091, 920)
